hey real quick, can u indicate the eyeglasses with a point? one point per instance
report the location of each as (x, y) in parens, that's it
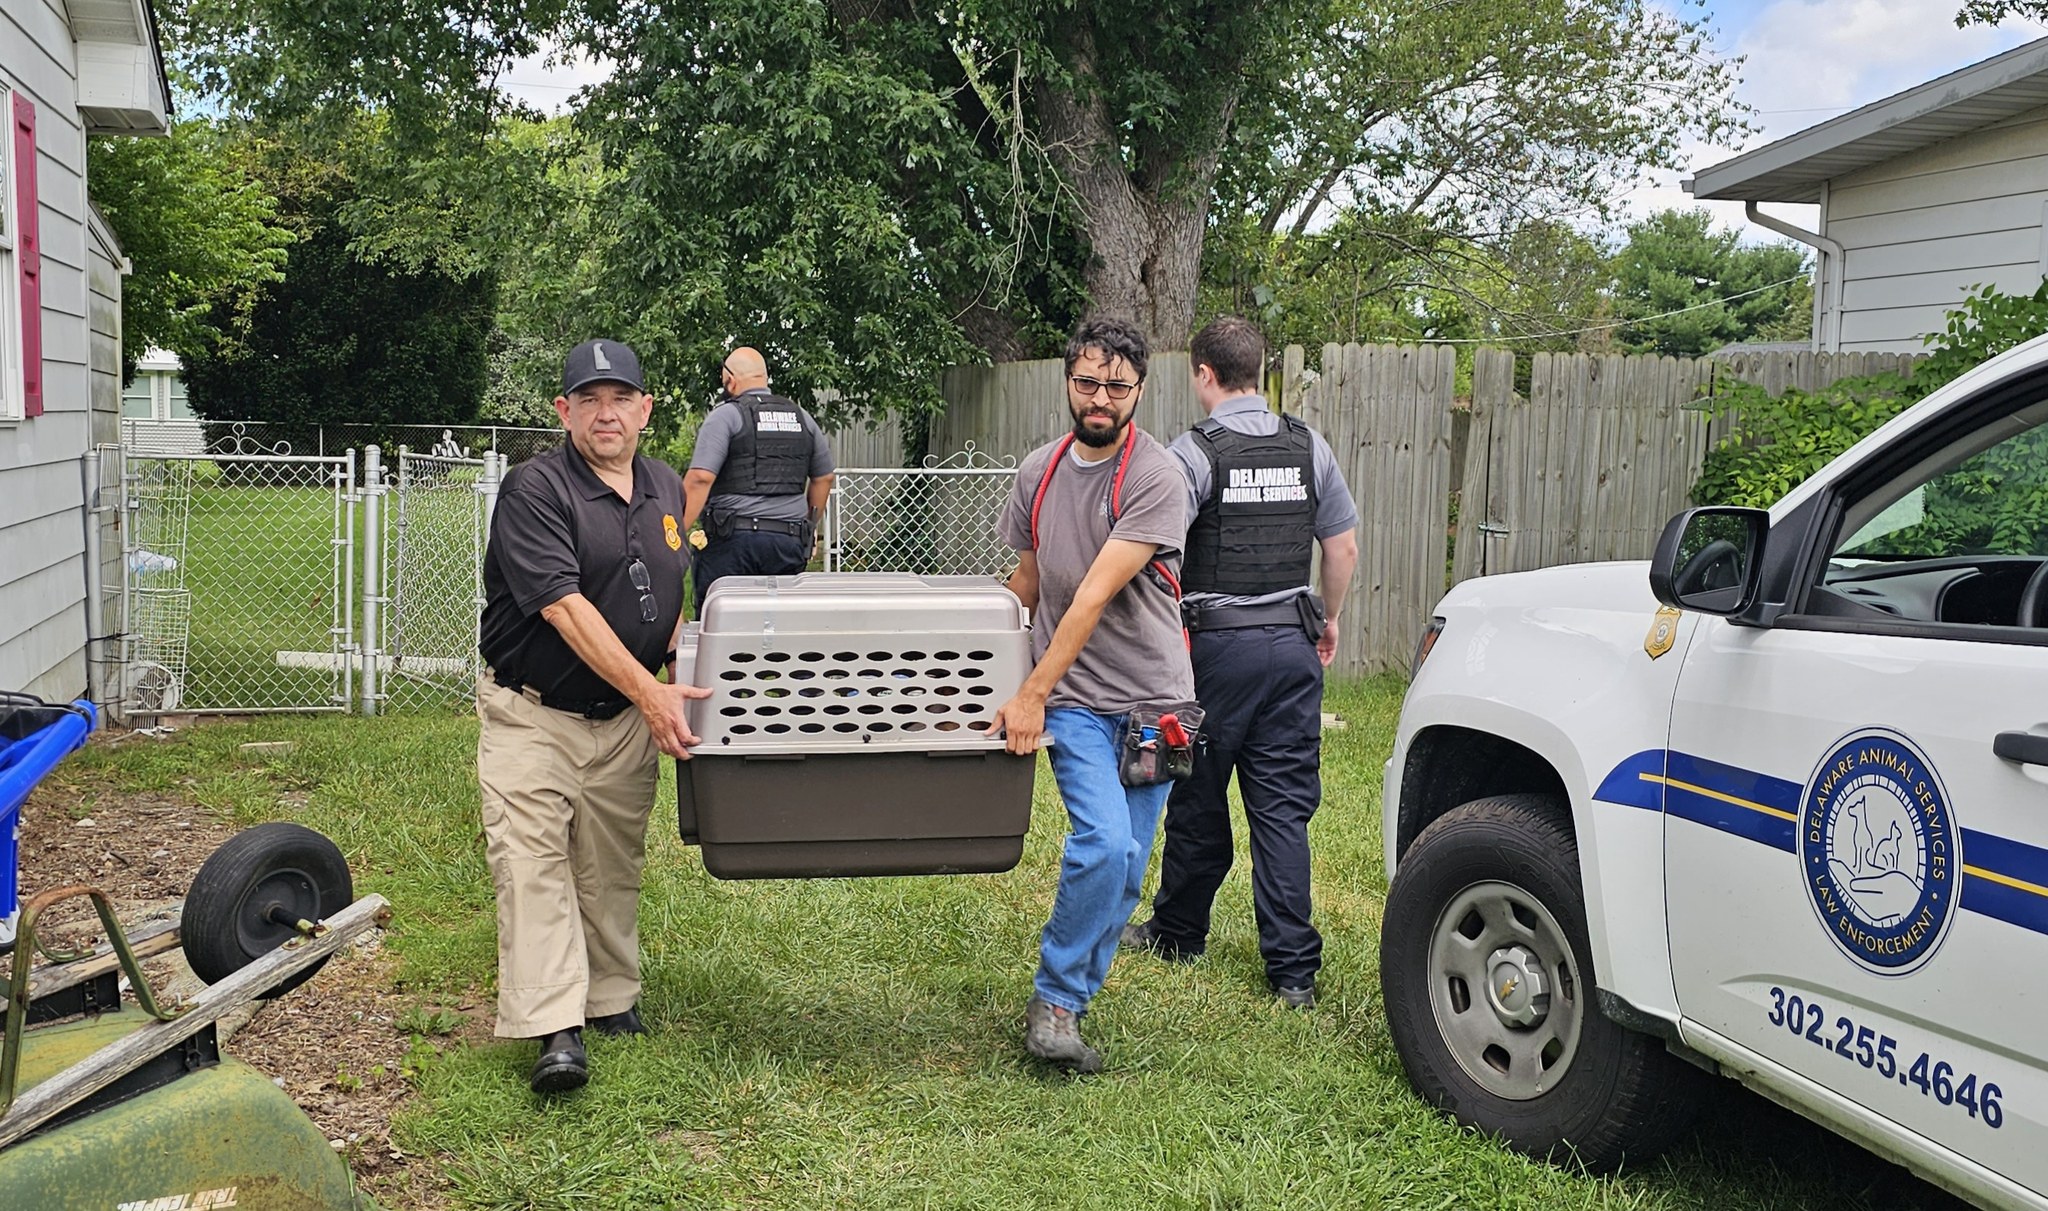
(1087, 387)
(637, 573)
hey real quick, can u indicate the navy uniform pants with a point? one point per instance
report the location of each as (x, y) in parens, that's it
(1261, 689)
(747, 553)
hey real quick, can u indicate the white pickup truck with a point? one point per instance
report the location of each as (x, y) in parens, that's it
(1775, 803)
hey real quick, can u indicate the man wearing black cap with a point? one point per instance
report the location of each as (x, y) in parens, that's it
(760, 473)
(583, 583)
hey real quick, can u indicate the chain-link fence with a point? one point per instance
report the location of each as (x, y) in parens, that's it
(238, 568)
(938, 519)
(436, 526)
(259, 580)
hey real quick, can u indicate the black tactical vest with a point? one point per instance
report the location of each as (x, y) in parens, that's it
(1254, 533)
(771, 454)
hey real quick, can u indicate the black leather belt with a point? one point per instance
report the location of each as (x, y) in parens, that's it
(795, 529)
(589, 708)
(1226, 618)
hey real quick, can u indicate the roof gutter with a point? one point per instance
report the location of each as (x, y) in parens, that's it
(1828, 298)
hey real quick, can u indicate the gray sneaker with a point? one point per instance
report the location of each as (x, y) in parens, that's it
(1054, 1035)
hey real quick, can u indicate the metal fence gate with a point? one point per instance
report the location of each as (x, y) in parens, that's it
(432, 544)
(237, 569)
(938, 519)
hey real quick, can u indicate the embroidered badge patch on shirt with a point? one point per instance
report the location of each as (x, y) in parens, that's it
(675, 536)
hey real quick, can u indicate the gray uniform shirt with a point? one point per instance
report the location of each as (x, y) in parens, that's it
(1335, 512)
(714, 442)
(1138, 655)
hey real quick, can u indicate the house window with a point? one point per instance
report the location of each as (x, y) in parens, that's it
(17, 193)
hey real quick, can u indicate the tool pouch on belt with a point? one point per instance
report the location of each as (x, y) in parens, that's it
(1313, 620)
(1150, 753)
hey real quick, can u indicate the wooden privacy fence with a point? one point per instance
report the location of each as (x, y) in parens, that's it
(1386, 411)
(1588, 464)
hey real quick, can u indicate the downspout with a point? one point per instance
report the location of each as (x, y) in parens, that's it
(1829, 295)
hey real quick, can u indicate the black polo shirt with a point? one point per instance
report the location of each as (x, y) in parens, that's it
(559, 529)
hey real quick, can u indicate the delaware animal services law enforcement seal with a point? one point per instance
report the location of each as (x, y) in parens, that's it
(1879, 851)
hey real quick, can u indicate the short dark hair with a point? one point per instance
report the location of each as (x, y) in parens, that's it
(1234, 348)
(1110, 336)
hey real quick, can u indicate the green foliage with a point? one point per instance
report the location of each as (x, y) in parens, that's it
(1995, 503)
(341, 340)
(786, 184)
(1675, 262)
(870, 192)
(1988, 323)
(1991, 12)
(201, 231)
(1416, 171)
(1777, 443)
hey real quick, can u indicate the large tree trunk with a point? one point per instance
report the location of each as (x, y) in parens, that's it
(1145, 225)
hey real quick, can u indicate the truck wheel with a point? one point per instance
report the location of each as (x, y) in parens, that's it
(249, 895)
(1489, 989)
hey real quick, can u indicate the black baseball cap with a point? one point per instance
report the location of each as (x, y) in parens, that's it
(601, 362)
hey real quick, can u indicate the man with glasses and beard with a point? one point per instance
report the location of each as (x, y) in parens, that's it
(1097, 519)
(583, 584)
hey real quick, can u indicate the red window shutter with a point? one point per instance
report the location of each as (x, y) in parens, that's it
(28, 246)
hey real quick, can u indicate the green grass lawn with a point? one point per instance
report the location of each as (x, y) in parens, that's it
(856, 1043)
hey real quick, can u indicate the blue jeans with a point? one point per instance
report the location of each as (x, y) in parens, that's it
(1103, 867)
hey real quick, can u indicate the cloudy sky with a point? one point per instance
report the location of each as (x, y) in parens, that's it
(1804, 61)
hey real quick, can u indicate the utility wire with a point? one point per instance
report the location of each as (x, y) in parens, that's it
(1640, 319)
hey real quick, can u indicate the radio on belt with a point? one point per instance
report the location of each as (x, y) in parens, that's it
(847, 729)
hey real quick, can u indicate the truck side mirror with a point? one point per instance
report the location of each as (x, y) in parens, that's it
(1710, 560)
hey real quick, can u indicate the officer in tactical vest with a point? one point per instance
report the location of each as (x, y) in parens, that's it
(759, 477)
(1264, 491)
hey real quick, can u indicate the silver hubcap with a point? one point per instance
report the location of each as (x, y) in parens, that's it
(1505, 989)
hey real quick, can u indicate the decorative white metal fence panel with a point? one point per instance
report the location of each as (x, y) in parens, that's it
(938, 519)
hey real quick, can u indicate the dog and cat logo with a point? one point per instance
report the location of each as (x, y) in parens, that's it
(1880, 851)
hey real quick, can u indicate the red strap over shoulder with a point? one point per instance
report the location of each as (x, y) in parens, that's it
(1044, 482)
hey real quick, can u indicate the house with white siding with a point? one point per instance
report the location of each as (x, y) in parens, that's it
(1922, 196)
(68, 69)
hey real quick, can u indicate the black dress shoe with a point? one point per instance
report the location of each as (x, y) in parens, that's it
(563, 1065)
(618, 1024)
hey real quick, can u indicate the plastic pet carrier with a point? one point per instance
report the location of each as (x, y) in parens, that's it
(847, 730)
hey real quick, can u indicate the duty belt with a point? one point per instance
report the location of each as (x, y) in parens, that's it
(731, 525)
(589, 708)
(1233, 617)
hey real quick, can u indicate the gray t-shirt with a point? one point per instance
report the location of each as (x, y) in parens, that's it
(1138, 655)
(714, 440)
(1335, 512)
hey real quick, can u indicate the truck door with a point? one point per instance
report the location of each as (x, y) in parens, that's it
(1858, 881)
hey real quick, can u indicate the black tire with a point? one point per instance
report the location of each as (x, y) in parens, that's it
(1592, 1093)
(228, 924)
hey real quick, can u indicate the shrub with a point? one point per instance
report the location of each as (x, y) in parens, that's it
(1777, 443)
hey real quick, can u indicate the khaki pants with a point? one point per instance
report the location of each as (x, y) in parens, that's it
(565, 805)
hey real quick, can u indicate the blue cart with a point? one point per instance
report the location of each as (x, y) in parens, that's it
(23, 763)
